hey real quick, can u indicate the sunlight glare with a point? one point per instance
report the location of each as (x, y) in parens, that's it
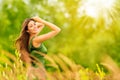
(94, 8)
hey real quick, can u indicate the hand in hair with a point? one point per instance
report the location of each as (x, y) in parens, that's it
(38, 19)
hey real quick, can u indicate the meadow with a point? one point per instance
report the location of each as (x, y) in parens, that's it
(87, 48)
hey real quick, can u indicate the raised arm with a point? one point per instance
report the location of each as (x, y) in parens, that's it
(43, 37)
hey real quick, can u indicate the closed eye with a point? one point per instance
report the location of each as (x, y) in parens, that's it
(31, 26)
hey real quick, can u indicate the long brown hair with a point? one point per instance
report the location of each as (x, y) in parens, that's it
(23, 41)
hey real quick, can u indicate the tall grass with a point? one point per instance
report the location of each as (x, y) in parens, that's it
(58, 67)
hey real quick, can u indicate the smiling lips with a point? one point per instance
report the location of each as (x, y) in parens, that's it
(35, 29)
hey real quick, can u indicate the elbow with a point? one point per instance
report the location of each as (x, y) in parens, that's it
(58, 30)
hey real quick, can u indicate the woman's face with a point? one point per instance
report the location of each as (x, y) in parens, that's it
(34, 27)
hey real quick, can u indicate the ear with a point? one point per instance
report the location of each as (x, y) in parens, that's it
(27, 31)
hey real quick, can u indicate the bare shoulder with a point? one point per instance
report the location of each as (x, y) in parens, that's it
(35, 43)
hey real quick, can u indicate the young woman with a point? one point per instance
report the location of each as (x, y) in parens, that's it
(30, 43)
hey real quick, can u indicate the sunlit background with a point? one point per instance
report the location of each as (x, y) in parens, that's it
(90, 28)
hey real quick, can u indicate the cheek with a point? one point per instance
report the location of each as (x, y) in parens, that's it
(30, 30)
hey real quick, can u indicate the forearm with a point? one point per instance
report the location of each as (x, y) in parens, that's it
(50, 25)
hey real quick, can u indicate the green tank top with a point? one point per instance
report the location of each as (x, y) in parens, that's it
(35, 51)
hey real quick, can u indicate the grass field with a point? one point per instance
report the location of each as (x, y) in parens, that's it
(59, 67)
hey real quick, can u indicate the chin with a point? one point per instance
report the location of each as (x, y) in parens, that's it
(35, 32)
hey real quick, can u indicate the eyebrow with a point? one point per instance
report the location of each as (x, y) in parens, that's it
(32, 23)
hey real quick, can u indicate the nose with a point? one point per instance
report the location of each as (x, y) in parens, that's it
(35, 25)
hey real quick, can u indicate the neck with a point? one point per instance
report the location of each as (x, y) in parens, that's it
(32, 35)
